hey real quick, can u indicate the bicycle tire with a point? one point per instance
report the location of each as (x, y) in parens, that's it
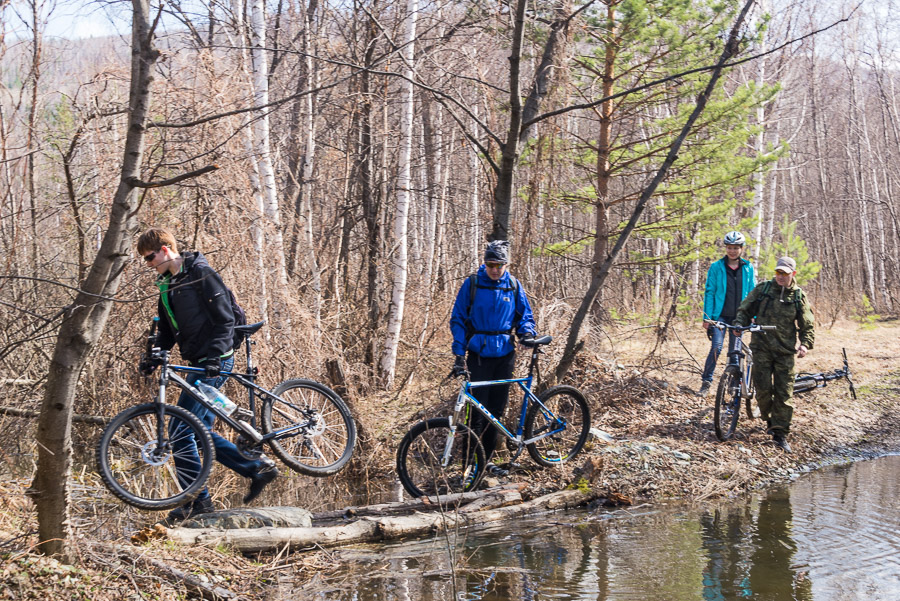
(568, 403)
(419, 453)
(134, 471)
(319, 450)
(728, 403)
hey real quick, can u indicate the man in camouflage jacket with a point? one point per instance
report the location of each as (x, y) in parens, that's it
(781, 303)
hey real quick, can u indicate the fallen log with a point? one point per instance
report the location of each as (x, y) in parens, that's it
(421, 504)
(372, 529)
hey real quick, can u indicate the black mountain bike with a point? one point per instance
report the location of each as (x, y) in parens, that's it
(304, 423)
(736, 383)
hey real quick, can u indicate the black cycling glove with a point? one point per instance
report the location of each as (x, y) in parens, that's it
(146, 366)
(213, 367)
(459, 366)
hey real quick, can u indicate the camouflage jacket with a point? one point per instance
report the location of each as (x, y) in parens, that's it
(787, 309)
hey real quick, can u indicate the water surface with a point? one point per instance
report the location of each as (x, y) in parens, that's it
(832, 535)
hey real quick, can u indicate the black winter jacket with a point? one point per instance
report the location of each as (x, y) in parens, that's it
(199, 316)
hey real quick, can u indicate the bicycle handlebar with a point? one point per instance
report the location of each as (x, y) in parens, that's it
(751, 328)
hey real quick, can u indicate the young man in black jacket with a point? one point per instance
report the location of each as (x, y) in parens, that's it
(195, 312)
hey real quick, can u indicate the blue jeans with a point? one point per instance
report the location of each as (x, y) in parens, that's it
(185, 446)
(718, 337)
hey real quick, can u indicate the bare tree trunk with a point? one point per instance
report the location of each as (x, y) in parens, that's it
(475, 241)
(369, 197)
(32, 127)
(509, 157)
(399, 254)
(257, 234)
(280, 315)
(86, 317)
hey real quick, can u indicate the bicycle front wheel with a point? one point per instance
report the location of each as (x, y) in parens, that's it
(318, 431)
(420, 454)
(154, 465)
(568, 418)
(728, 403)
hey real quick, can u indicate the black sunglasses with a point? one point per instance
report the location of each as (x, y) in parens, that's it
(150, 257)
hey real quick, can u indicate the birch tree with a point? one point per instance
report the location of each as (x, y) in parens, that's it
(263, 154)
(399, 255)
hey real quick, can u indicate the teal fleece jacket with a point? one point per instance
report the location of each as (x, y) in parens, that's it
(714, 299)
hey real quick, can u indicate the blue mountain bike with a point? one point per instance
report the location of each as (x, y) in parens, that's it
(442, 455)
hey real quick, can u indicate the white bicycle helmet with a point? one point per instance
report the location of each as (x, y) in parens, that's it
(734, 238)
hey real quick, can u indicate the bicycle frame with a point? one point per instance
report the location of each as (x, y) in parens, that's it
(805, 382)
(742, 357)
(465, 397)
(169, 373)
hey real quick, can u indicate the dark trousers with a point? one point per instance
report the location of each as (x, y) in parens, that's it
(187, 457)
(718, 337)
(494, 398)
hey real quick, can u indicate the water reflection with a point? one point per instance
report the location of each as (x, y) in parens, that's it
(832, 535)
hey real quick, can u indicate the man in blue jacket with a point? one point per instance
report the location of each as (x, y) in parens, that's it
(490, 308)
(728, 281)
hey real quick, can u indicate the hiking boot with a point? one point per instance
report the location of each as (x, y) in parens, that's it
(704, 389)
(780, 442)
(195, 507)
(266, 473)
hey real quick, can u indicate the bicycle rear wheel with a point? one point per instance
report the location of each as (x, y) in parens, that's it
(419, 459)
(728, 403)
(148, 473)
(569, 411)
(320, 434)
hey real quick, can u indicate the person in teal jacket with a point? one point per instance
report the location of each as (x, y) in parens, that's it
(728, 281)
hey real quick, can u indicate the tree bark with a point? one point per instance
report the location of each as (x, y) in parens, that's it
(377, 529)
(509, 158)
(86, 317)
(401, 214)
(260, 71)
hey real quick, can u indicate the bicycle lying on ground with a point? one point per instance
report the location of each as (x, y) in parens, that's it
(304, 423)
(442, 455)
(736, 383)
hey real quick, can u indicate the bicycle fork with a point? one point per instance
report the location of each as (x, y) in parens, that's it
(454, 420)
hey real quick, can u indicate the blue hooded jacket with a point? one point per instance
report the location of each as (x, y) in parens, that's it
(716, 281)
(498, 307)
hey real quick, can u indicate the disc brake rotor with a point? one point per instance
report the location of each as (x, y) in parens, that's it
(151, 455)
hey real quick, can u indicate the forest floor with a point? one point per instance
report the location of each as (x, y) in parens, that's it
(658, 444)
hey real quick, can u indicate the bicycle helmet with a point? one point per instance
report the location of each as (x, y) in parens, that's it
(734, 238)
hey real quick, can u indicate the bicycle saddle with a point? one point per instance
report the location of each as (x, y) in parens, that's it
(250, 328)
(533, 342)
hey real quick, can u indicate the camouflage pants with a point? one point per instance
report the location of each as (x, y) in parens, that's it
(773, 377)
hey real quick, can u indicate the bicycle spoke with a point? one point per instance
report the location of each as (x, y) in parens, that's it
(150, 474)
(319, 433)
(561, 426)
(419, 459)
